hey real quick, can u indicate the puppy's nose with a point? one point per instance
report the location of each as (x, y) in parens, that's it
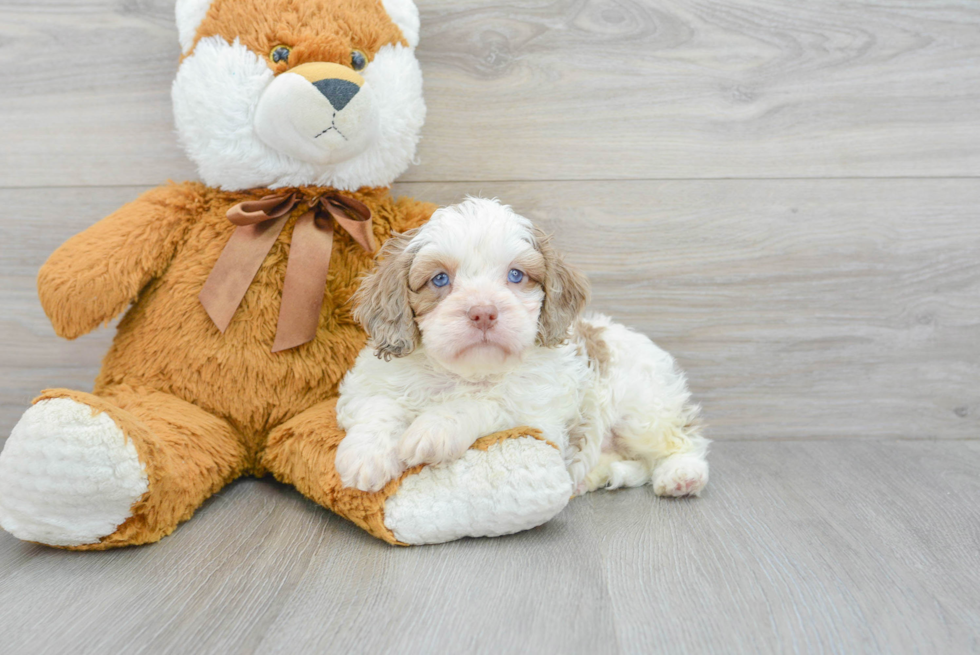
(338, 84)
(483, 316)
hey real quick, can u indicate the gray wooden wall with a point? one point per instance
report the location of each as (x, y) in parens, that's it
(784, 194)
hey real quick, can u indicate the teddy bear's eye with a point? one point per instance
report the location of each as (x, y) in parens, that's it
(280, 54)
(357, 60)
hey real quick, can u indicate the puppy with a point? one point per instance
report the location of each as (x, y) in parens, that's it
(476, 326)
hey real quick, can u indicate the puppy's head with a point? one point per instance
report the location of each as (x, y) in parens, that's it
(476, 286)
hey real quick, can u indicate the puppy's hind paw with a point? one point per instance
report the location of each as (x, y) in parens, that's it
(612, 472)
(365, 465)
(680, 475)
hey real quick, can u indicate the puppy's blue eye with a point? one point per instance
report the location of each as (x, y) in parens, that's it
(440, 280)
(515, 276)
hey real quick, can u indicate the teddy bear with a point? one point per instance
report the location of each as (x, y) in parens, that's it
(235, 290)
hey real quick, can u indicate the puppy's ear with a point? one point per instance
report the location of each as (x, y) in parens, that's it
(381, 303)
(566, 293)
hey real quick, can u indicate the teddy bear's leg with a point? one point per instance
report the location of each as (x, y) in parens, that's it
(505, 483)
(123, 468)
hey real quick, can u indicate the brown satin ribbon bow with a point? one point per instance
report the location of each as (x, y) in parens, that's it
(259, 224)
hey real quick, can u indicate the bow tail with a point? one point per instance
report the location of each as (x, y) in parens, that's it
(306, 279)
(235, 269)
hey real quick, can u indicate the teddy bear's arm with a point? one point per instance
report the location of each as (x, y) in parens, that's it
(94, 275)
(411, 213)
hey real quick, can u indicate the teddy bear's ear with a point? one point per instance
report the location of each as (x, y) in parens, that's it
(190, 14)
(405, 15)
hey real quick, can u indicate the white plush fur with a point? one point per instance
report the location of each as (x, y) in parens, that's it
(67, 477)
(515, 485)
(217, 95)
(190, 14)
(405, 15)
(621, 418)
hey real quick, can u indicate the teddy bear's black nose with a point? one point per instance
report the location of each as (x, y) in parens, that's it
(338, 92)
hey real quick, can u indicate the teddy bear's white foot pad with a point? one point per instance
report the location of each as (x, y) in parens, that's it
(67, 477)
(514, 485)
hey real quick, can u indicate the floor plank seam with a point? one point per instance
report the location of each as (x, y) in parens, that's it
(566, 180)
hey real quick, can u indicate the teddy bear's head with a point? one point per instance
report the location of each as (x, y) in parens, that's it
(274, 93)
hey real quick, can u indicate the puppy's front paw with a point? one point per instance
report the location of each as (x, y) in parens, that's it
(680, 475)
(366, 464)
(432, 439)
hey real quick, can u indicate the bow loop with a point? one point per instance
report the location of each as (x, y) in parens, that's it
(259, 223)
(252, 212)
(354, 216)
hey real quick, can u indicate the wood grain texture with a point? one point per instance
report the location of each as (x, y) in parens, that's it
(619, 88)
(853, 547)
(800, 309)
(819, 320)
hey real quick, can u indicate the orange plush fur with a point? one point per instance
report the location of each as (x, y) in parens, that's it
(200, 406)
(314, 33)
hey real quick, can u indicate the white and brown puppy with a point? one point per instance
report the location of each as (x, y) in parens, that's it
(476, 326)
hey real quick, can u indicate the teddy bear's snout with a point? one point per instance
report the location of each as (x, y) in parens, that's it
(317, 112)
(338, 84)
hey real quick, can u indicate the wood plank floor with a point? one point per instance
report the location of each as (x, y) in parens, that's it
(783, 194)
(800, 547)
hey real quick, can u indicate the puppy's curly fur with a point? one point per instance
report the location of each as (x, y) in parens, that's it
(477, 324)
